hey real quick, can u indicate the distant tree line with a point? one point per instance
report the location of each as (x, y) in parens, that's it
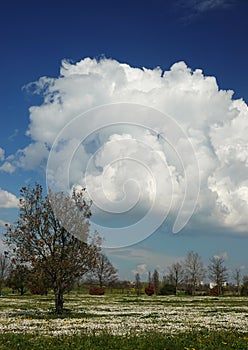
(188, 276)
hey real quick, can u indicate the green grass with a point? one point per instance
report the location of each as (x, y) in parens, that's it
(152, 340)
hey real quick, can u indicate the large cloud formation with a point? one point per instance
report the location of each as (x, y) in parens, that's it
(211, 120)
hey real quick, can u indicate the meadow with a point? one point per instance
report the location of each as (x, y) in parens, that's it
(124, 322)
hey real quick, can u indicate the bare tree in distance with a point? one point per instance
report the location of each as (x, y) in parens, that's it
(218, 272)
(40, 239)
(149, 278)
(137, 284)
(237, 277)
(176, 273)
(123, 285)
(194, 270)
(155, 281)
(4, 265)
(103, 271)
(244, 289)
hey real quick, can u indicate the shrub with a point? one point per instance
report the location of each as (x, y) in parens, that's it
(149, 290)
(214, 291)
(167, 289)
(39, 290)
(244, 291)
(96, 291)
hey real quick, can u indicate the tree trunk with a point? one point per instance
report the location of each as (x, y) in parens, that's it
(193, 289)
(59, 300)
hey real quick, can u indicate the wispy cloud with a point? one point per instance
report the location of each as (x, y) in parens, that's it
(195, 8)
(13, 135)
(144, 259)
(2, 154)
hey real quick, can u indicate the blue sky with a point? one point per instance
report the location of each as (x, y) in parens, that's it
(207, 35)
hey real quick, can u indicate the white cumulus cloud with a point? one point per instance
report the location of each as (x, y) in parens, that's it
(141, 269)
(149, 163)
(8, 167)
(8, 200)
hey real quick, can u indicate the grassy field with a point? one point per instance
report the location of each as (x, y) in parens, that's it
(124, 322)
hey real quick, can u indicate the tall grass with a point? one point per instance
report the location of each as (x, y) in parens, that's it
(152, 340)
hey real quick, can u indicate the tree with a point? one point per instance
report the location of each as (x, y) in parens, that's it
(103, 270)
(194, 270)
(168, 279)
(176, 273)
(18, 277)
(218, 272)
(51, 234)
(4, 265)
(123, 285)
(149, 278)
(237, 279)
(137, 284)
(244, 289)
(155, 281)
